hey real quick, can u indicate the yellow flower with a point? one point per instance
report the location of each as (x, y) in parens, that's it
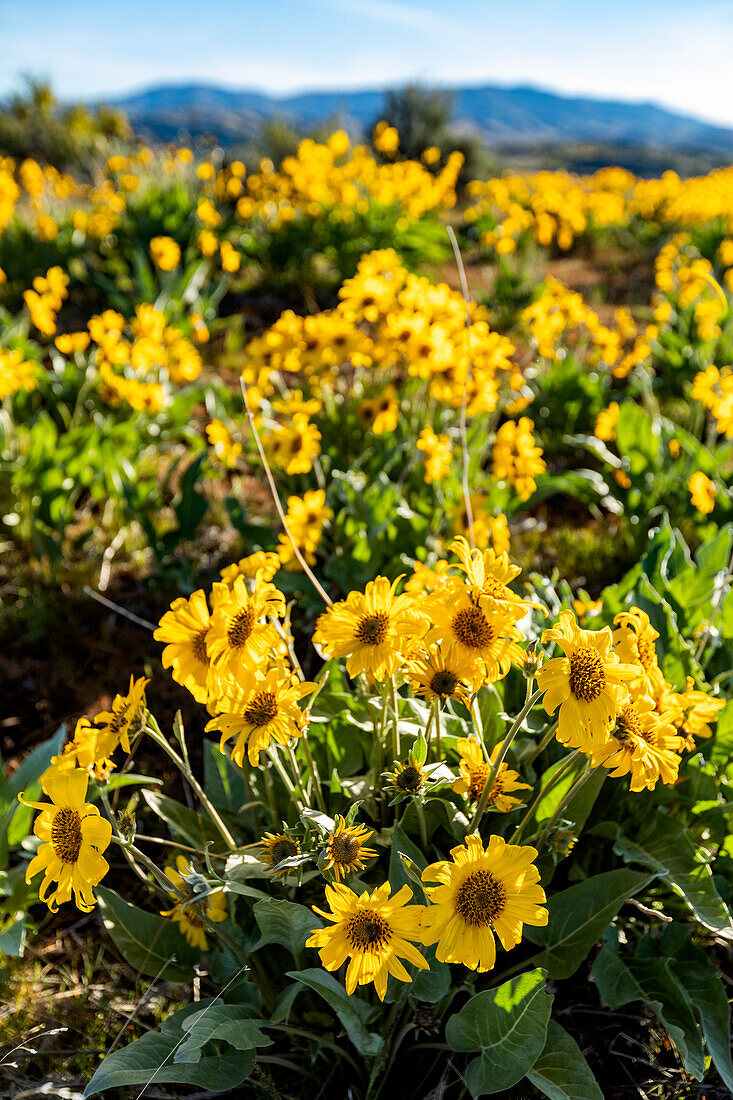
(115, 725)
(372, 629)
(475, 773)
(382, 413)
(443, 674)
(425, 579)
(484, 891)
(72, 836)
(345, 850)
(238, 640)
(262, 562)
(275, 848)
(263, 708)
(306, 518)
(70, 343)
(481, 632)
(184, 628)
(164, 253)
(489, 575)
(408, 777)
(606, 421)
(642, 743)
(516, 458)
(438, 450)
(374, 931)
(226, 448)
(293, 446)
(81, 752)
(188, 911)
(582, 683)
(703, 492)
(692, 712)
(634, 642)
(386, 139)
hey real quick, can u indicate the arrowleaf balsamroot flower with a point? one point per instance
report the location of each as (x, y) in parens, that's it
(482, 892)
(375, 931)
(373, 629)
(185, 628)
(238, 639)
(443, 674)
(115, 725)
(187, 911)
(345, 850)
(275, 848)
(73, 837)
(263, 708)
(634, 643)
(475, 773)
(582, 683)
(480, 632)
(488, 576)
(641, 744)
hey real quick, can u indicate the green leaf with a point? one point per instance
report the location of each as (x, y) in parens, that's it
(665, 847)
(508, 1025)
(223, 781)
(433, 984)
(561, 1072)
(579, 916)
(232, 1023)
(651, 981)
(284, 922)
(398, 877)
(184, 822)
(704, 987)
(638, 439)
(146, 941)
(150, 1060)
(12, 939)
(352, 1012)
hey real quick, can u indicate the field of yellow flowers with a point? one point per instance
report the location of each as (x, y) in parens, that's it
(368, 629)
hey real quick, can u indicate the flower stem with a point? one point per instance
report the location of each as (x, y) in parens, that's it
(548, 785)
(155, 732)
(314, 774)
(396, 751)
(438, 749)
(529, 702)
(542, 745)
(566, 801)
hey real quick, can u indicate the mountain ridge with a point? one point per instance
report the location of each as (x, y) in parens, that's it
(501, 114)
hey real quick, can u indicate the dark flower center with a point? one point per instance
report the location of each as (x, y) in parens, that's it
(372, 629)
(367, 930)
(472, 629)
(444, 682)
(409, 779)
(262, 709)
(66, 834)
(240, 628)
(480, 899)
(587, 678)
(198, 644)
(283, 849)
(345, 848)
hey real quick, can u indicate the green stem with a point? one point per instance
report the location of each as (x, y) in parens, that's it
(421, 822)
(314, 773)
(542, 745)
(396, 752)
(282, 772)
(429, 726)
(298, 777)
(157, 736)
(566, 801)
(548, 785)
(438, 749)
(529, 702)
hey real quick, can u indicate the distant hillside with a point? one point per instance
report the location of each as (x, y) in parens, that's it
(521, 116)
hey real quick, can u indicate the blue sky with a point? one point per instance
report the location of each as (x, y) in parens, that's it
(675, 52)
